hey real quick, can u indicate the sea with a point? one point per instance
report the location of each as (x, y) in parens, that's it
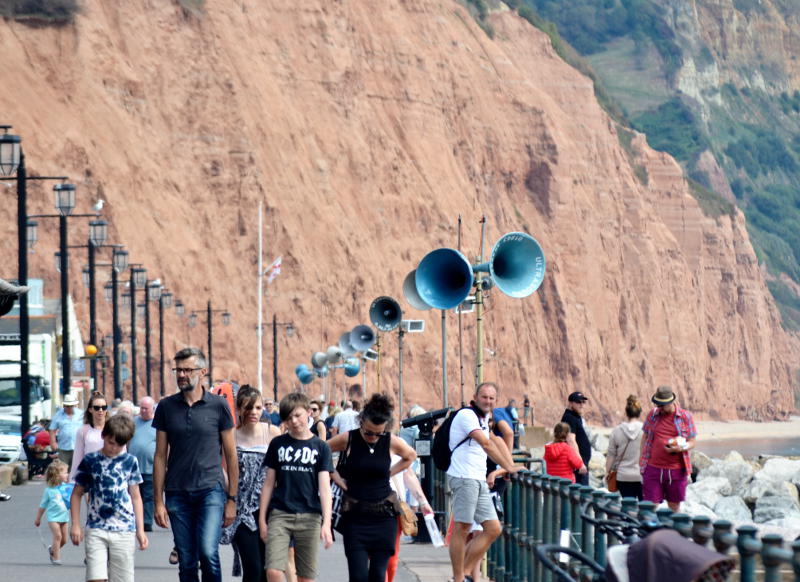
(751, 447)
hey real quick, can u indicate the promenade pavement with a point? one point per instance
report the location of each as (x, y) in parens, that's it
(23, 551)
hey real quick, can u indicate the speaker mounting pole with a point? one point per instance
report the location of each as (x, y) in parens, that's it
(479, 310)
(444, 359)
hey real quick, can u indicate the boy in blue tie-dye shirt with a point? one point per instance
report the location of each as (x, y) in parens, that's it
(114, 520)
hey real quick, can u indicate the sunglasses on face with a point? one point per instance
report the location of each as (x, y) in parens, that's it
(370, 433)
(97, 408)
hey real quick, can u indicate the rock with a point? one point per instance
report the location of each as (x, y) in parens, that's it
(732, 508)
(708, 491)
(597, 464)
(756, 489)
(772, 506)
(700, 460)
(778, 469)
(694, 509)
(600, 443)
(787, 527)
(734, 468)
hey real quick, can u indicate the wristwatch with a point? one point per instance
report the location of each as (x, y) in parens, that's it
(231, 497)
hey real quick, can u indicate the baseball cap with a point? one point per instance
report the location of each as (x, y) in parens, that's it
(577, 397)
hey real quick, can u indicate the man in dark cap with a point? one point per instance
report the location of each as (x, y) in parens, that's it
(577, 437)
(668, 436)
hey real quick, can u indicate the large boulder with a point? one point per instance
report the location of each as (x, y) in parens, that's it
(775, 505)
(693, 508)
(733, 508)
(700, 460)
(733, 468)
(597, 464)
(778, 470)
(600, 443)
(708, 491)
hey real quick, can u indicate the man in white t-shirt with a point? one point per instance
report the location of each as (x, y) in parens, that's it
(470, 443)
(347, 419)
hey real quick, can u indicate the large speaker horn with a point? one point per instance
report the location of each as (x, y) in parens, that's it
(304, 374)
(351, 367)
(345, 346)
(517, 264)
(385, 313)
(410, 292)
(333, 354)
(362, 337)
(319, 359)
(444, 278)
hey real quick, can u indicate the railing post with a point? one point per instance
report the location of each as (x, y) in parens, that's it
(530, 517)
(587, 535)
(682, 523)
(612, 501)
(538, 522)
(575, 514)
(566, 510)
(772, 556)
(629, 505)
(599, 537)
(664, 515)
(724, 538)
(748, 547)
(796, 559)
(513, 545)
(701, 530)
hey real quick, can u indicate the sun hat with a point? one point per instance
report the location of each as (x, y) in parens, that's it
(70, 400)
(663, 396)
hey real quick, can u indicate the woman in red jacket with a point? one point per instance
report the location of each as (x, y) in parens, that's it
(562, 460)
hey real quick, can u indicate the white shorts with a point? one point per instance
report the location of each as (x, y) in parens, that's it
(109, 555)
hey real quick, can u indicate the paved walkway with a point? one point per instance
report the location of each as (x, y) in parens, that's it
(23, 554)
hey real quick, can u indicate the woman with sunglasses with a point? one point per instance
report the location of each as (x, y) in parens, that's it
(318, 427)
(89, 438)
(369, 515)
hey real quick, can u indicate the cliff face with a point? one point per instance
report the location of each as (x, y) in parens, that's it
(367, 129)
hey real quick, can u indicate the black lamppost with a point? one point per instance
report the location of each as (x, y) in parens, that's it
(226, 320)
(120, 263)
(138, 280)
(164, 302)
(290, 332)
(98, 234)
(152, 292)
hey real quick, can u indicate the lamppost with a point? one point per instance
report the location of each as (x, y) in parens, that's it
(12, 160)
(119, 264)
(138, 280)
(164, 302)
(152, 292)
(289, 332)
(226, 320)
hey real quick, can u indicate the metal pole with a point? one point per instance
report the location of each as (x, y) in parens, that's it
(117, 334)
(22, 279)
(92, 313)
(260, 293)
(161, 344)
(103, 367)
(460, 333)
(209, 326)
(401, 333)
(275, 357)
(479, 311)
(133, 336)
(147, 368)
(444, 360)
(66, 364)
(378, 362)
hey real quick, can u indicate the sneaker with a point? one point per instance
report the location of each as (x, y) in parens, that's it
(4, 496)
(173, 556)
(52, 560)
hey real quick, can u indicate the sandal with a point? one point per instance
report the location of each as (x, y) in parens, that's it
(173, 556)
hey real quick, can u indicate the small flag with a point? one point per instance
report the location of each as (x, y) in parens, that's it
(273, 270)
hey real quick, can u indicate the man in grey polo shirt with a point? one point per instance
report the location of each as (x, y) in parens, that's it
(194, 427)
(470, 443)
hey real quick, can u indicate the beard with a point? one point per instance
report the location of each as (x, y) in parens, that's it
(187, 384)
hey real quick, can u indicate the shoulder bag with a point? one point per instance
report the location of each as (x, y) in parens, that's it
(611, 477)
(337, 493)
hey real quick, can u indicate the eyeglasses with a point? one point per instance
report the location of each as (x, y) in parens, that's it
(184, 371)
(369, 433)
(97, 408)
(269, 404)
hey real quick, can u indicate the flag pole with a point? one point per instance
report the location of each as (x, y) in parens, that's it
(260, 293)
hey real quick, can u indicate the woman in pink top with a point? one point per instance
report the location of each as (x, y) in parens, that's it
(89, 437)
(562, 460)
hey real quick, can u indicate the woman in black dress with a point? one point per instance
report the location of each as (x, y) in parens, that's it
(369, 518)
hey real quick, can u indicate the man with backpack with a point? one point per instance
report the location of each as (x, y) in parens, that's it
(469, 444)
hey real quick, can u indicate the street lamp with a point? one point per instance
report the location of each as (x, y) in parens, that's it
(289, 332)
(180, 308)
(138, 279)
(226, 320)
(119, 263)
(164, 302)
(152, 292)
(98, 234)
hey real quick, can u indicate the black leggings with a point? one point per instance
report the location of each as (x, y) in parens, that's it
(251, 553)
(365, 566)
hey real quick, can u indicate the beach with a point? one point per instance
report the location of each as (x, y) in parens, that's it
(710, 430)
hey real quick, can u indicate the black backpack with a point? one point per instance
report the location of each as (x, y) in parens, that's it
(440, 450)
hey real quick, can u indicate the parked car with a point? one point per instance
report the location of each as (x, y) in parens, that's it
(10, 439)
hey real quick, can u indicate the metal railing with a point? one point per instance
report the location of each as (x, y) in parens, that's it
(538, 507)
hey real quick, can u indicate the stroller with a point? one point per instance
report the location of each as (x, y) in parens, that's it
(649, 552)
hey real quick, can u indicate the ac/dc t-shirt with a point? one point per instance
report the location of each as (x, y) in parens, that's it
(297, 464)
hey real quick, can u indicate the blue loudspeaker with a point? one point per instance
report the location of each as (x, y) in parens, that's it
(344, 345)
(304, 374)
(444, 278)
(516, 265)
(385, 313)
(362, 337)
(322, 372)
(410, 292)
(299, 368)
(319, 359)
(351, 367)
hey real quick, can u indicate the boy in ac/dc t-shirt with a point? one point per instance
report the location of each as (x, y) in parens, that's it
(296, 493)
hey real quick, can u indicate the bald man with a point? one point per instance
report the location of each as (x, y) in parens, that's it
(143, 447)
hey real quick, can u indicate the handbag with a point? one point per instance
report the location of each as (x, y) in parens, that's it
(408, 519)
(337, 493)
(611, 477)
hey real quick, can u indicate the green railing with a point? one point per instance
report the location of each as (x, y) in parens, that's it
(538, 507)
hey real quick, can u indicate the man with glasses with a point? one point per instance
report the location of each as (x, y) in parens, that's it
(577, 437)
(271, 412)
(194, 428)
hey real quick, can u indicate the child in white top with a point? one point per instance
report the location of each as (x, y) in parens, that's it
(54, 507)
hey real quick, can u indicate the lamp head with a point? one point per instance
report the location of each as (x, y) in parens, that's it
(9, 151)
(65, 198)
